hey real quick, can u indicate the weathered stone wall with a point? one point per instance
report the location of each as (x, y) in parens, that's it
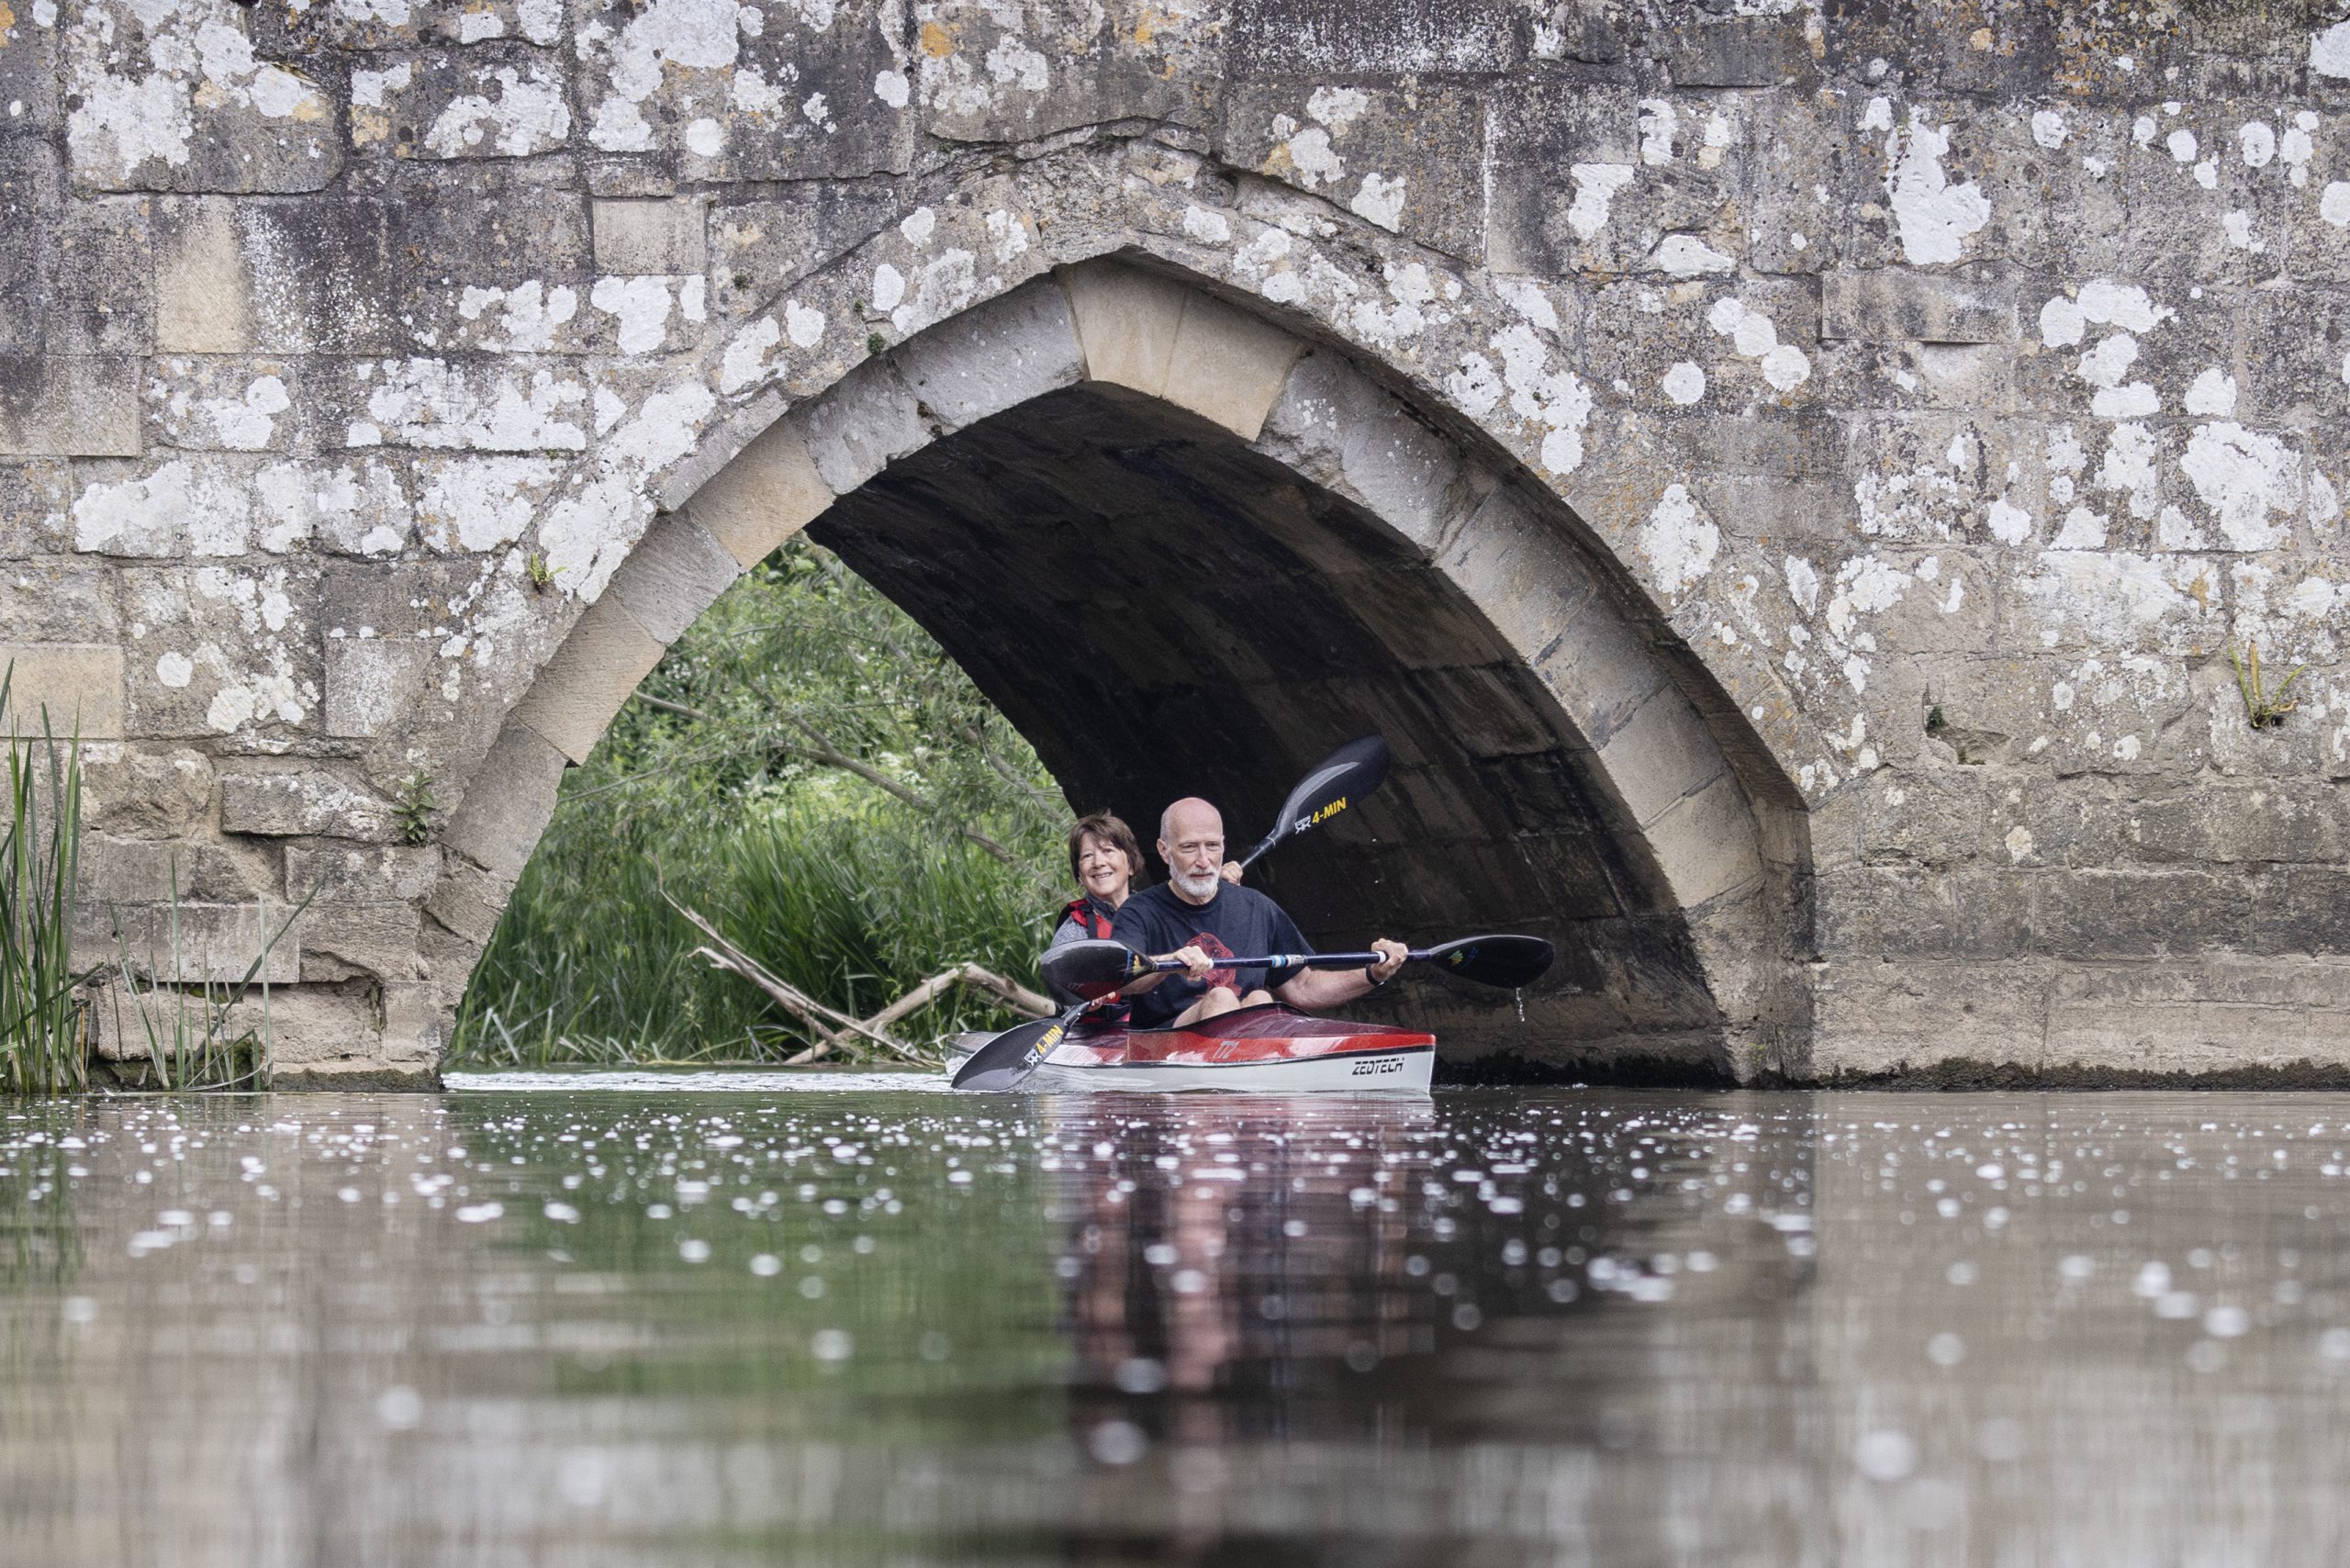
(1916, 402)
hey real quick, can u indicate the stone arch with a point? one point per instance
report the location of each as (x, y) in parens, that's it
(1566, 761)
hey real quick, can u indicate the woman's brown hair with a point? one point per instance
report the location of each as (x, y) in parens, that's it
(1110, 831)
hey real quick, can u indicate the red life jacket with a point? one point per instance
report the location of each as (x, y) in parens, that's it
(1096, 925)
(1089, 920)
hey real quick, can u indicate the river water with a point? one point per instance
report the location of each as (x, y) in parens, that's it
(848, 1320)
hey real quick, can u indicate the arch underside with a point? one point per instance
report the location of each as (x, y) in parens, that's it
(1164, 611)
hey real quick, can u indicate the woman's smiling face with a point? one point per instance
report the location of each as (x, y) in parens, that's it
(1104, 870)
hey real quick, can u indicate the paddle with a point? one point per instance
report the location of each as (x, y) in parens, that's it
(1011, 1056)
(1345, 776)
(1096, 968)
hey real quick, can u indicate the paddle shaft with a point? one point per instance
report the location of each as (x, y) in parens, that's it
(1293, 961)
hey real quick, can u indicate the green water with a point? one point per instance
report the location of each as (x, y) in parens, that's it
(852, 1321)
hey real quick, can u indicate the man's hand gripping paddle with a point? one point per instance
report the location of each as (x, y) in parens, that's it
(1345, 776)
(1096, 968)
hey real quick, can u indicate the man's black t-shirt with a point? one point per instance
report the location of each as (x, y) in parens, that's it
(1237, 922)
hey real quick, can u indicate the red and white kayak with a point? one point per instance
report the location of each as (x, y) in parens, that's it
(1268, 1049)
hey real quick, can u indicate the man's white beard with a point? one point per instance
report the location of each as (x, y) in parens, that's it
(1201, 887)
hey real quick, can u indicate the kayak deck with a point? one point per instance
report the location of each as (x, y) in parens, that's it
(1270, 1048)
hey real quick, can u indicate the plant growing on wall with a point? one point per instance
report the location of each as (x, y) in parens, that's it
(2262, 708)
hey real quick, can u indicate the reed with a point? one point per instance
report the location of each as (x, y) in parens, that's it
(41, 1034)
(199, 1034)
(590, 964)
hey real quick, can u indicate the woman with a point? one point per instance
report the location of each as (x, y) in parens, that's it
(1105, 860)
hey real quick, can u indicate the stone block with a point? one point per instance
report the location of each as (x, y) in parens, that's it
(1871, 1018)
(770, 491)
(68, 406)
(102, 289)
(147, 794)
(806, 94)
(1336, 426)
(1737, 51)
(1528, 577)
(316, 1033)
(371, 681)
(1882, 912)
(672, 576)
(866, 422)
(1227, 366)
(996, 355)
(392, 871)
(180, 100)
(1338, 37)
(193, 942)
(79, 685)
(489, 100)
(650, 237)
(302, 804)
(33, 498)
(1924, 816)
(1894, 306)
(467, 900)
(506, 808)
(203, 292)
(1394, 156)
(2126, 915)
(148, 870)
(1704, 844)
(1660, 755)
(606, 654)
(344, 940)
(1126, 322)
(982, 74)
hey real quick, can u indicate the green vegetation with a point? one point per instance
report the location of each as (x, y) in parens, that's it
(40, 1023)
(808, 770)
(202, 1033)
(2263, 708)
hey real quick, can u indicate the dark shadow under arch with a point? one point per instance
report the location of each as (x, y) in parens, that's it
(1163, 610)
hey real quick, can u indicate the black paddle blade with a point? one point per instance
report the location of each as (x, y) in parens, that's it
(1505, 961)
(1011, 1056)
(1094, 969)
(1343, 776)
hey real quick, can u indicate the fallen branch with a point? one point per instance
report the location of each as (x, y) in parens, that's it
(724, 954)
(938, 985)
(816, 1017)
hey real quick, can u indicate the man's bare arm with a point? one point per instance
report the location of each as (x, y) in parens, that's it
(1310, 990)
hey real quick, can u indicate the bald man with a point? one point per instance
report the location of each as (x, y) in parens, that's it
(1197, 916)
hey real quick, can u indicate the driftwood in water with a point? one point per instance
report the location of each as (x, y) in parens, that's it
(832, 1027)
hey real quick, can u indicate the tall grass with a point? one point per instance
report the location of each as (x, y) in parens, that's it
(715, 792)
(42, 1038)
(854, 908)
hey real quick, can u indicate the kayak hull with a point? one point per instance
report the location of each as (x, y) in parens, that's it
(1271, 1049)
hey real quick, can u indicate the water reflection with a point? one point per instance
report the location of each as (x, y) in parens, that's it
(678, 1326)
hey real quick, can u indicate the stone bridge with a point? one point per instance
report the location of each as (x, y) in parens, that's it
(1791, 481)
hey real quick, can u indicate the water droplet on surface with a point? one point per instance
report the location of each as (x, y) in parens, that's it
(1116, 1443)
(1884, 1455)
(399, 1407)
